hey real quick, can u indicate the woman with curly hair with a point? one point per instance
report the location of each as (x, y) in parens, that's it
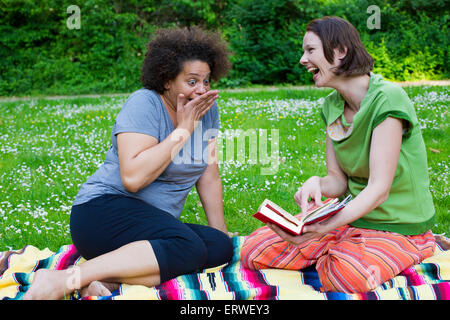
(124, 219)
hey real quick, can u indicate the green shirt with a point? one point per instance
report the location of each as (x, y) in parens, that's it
(409, 208)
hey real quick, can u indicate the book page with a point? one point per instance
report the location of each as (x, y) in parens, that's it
(280, 210)
(281, 219)
(327, 208)
(316, 212)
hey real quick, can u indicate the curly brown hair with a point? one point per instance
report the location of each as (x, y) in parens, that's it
(168, 49)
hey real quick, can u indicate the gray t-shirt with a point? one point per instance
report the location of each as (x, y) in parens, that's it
(144, 112)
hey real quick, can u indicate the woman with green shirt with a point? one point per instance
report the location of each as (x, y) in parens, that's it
(375, 151)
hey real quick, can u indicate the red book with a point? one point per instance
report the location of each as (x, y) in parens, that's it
(273, 213)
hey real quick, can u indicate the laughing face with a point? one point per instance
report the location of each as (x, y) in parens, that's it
(316, 63)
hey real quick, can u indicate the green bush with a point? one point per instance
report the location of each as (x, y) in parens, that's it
(266, 39)
(39, 54)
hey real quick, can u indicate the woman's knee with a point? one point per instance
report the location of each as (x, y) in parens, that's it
(246, 260)
(218, 244)
(191, 252)
(342, 276)
(259, 242)
(250, 252)
(221, 251)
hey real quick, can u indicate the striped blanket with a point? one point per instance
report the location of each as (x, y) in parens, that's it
(428, 280)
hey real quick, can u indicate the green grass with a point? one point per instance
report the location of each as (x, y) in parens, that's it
(48, 149)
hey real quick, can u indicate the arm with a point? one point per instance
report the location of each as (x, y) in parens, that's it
(209, 188)
(334, 184)
(384, 153)
(142, 159)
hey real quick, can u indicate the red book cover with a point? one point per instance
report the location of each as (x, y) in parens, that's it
(271, 212)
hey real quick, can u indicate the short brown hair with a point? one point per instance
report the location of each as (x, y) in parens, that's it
(170, 48)
(337, 33)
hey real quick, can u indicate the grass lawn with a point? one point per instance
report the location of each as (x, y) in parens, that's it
(48, 148)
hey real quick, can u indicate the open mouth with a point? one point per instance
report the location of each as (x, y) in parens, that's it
(313, 70)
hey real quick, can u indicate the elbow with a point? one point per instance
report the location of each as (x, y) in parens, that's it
(134, 183)
(382, 194)
(130, 184)
(344, 186)
(383, 197)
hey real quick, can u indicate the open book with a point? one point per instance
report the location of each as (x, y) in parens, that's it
(271, 212)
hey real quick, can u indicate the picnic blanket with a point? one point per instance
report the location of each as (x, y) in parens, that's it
(428, 280)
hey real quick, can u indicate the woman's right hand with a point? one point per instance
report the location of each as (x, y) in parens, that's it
(190, 112)
(309, 189)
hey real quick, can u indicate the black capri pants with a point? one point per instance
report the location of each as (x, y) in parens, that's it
(111, 221)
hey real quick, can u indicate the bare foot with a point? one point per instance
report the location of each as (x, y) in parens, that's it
(98, 288)
(48, 285)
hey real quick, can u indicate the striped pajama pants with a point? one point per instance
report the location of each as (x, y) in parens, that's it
(347, 259)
